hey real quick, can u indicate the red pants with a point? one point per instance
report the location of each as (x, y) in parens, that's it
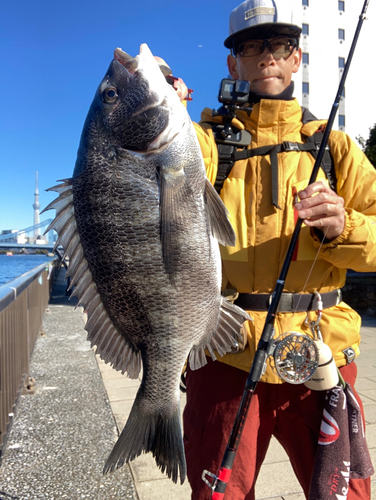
(292, 413)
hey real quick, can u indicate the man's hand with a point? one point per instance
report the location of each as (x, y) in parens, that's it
(321, 207)
(179, 85)
(181, 89)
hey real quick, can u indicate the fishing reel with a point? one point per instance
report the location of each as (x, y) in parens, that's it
(296, 357)
(301, 359)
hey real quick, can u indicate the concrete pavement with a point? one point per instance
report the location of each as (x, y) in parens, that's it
(276, 479)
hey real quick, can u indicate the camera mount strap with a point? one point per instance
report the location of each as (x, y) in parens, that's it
(228, 154)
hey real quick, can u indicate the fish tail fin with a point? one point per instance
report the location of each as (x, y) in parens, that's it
(147, 431)
(225, 338)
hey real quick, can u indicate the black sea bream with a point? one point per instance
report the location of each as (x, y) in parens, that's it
(140, 224)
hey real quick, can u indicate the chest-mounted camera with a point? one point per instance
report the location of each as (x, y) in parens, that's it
(235, 92)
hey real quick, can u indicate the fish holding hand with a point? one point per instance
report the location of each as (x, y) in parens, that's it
(140, 224)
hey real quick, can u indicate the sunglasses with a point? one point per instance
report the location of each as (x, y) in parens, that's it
(280, 47)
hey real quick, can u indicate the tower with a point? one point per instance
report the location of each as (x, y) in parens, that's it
(36, 207)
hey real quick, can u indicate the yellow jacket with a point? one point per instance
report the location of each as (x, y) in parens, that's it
(263, 232)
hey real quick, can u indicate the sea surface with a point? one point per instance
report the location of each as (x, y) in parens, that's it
(13, 266)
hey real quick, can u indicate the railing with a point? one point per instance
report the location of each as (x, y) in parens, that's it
(22, 305)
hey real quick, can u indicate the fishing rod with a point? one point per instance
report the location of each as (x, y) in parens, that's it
(265, 345)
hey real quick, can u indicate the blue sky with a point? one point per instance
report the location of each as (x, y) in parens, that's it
(54, 55)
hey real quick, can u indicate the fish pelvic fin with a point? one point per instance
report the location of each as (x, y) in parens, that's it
(147, 431)
(225, 338)
(219, 222)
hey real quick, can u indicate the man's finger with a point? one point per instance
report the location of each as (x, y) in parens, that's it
(315, 187)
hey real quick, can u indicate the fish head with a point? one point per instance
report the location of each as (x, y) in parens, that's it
(134, 109)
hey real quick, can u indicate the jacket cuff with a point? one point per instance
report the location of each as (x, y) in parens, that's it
(318, 236)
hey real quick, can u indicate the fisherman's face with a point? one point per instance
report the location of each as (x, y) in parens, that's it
(265, 74)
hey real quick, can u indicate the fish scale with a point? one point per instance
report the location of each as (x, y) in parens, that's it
(140, 224)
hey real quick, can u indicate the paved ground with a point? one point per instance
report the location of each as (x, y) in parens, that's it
(63, 433)
(277, 479)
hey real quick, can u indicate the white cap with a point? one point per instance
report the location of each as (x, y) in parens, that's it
(261, 19)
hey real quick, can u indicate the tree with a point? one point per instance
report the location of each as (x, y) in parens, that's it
(369, 145)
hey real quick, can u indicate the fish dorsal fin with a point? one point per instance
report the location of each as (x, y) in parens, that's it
(225, 338)
(112, 347)
(219, 223)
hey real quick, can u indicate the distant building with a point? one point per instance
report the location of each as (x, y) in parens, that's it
(14, 236)
(328, 31)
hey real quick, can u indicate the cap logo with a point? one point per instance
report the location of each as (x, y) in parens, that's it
(259, 11)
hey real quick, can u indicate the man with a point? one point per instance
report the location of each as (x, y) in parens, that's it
(339, 231)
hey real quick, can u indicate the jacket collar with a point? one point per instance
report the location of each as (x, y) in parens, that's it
(272, 119)
(285, 95)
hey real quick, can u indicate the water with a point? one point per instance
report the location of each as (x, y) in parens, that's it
(14, 266)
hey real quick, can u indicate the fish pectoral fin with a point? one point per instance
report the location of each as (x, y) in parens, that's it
(220, 225)
(173, 190)
(226, 337)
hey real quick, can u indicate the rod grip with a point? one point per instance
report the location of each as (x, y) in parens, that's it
(224, 474)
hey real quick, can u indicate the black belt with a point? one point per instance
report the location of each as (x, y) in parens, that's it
(290, 302)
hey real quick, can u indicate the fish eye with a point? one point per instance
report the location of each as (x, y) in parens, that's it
(109, 95)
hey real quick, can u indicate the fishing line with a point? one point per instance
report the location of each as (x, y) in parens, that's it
(310, 271)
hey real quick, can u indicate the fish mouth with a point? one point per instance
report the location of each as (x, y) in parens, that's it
(129, 62)
(132, 65)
